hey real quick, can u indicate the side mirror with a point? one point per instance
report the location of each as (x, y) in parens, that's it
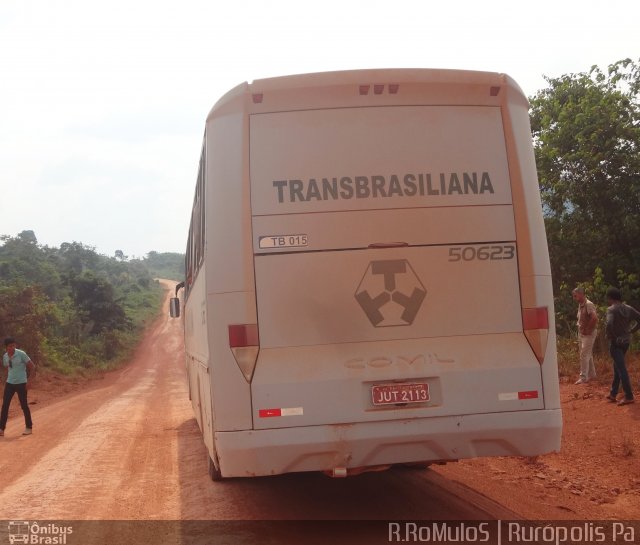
(174, 307)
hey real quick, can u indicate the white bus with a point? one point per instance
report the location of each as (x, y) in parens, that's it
(367, 275)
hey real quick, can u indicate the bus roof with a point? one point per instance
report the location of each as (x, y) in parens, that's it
(389, 85)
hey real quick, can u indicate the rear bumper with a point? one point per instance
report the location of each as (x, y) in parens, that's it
(319, 448)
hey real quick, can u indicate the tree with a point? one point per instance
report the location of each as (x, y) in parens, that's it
(119, 255)
(24, 314)
(70, 307)
(77, 257)
(23, 262)
(95, 296)
(165, 265)
(586, 130)
(28, 236)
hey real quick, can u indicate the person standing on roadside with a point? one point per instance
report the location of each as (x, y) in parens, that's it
(19, 367)
(587, 333)
(619, 330)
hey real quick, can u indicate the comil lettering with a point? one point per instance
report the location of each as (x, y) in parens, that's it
(365, 187)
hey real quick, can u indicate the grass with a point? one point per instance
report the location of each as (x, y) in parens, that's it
(569, 361)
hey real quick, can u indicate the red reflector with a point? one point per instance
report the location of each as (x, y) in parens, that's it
(393, 88)
(378, 89)
(257, 98)
(494, 91)
(266, 413)
(364, 89)
(243, 335)
(535, 318)
(533, 394)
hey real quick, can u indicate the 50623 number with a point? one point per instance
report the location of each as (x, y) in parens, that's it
(482, 253)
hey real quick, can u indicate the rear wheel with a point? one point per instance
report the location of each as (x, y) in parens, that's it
(214, 470)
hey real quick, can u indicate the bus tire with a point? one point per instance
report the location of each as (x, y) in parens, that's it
(214, 470)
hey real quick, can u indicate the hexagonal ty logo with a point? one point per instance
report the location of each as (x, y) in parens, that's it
(390, 293)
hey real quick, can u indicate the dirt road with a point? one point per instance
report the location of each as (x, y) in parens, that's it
(129, 449)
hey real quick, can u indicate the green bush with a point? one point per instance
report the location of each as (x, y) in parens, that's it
(70, 308)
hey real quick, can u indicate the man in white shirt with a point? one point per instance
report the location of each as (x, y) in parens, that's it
(587, 333)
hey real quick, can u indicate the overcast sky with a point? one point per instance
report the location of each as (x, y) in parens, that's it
(102, 104)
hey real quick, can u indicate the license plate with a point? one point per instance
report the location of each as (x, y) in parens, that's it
(393, 394)
(283, 241)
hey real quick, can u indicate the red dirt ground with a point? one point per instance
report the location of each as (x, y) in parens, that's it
(596, 475)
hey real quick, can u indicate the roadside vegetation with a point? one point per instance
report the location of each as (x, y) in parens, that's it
(73, 310)
(167, 265)
(586, 131)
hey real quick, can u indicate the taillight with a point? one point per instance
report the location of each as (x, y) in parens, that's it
(244, 342)
(535, 324)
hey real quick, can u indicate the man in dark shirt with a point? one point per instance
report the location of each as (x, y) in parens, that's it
(619, 329)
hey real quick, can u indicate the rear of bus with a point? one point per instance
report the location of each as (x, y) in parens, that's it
(402, 308)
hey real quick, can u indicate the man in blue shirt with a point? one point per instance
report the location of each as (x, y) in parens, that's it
(19, 367)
